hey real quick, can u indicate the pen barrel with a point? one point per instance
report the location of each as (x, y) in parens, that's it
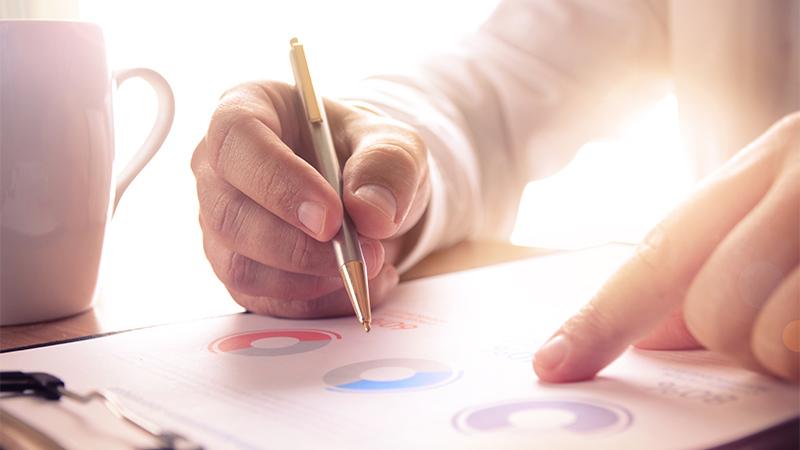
(325, 154)
(349, 257)
(346, 245)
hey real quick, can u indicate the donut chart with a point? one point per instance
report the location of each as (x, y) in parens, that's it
(259, 343)
(416, 374)
(578, 417)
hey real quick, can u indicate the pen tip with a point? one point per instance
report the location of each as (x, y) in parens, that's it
(366, 327)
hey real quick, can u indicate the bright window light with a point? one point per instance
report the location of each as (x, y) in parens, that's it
(614, 190)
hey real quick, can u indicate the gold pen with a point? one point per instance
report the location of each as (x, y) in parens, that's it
(349, 258)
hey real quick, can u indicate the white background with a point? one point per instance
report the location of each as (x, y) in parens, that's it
(613, 190)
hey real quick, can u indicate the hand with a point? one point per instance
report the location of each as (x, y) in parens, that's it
(720, 272)
(267, 214)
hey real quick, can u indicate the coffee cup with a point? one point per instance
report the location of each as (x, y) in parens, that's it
(57, 186)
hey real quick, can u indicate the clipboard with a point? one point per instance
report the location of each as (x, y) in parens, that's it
(70, 420)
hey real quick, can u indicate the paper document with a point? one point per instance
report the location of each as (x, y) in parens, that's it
(447, 365)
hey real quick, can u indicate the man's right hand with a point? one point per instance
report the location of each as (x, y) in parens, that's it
(267, 214)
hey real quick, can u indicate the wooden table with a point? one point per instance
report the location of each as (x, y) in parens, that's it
(115, 313)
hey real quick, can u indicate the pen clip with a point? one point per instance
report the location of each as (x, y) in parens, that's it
(304, 86)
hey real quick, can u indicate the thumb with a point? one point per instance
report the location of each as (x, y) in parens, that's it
(385, 180)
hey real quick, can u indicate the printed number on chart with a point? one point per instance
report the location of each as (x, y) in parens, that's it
(392, 324)
(671, 389)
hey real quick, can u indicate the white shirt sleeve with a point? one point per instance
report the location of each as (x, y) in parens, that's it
(516, 99)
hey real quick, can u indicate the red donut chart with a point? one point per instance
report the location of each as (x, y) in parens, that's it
(243, 343)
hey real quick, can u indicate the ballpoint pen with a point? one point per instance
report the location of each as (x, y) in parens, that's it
(346, 246)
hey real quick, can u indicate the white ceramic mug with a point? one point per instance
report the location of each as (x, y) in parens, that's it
(56, 152)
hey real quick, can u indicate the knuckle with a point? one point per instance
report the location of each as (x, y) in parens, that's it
(398, 156)
(290, 309)
(408, 135)
(396, 135)
(290, 291)
(386, 163)
(228, 213)
(301, 253)
(418, 146)
(313, 289)
(410, 140)
(267, 306)
(255, 305)
(302, 309)
(652, 248)
(238, 110)
(222, 138)
(283, 307)
(198, 157)
(592, 324)
(655, 256)
(240, 273)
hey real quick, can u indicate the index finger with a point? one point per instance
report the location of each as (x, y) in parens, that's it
(247, 147)
(652, 283)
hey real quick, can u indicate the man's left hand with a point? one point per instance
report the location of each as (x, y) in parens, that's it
(720, 272)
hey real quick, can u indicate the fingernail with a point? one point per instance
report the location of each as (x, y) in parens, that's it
(379, 197)
(552, 353)
(312, 216)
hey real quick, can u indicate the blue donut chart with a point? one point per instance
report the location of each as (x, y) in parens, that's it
(589, 417)
(427, 374)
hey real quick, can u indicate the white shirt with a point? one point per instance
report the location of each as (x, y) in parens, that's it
(517, 98)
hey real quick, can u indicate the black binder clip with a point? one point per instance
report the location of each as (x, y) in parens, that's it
(50, 387)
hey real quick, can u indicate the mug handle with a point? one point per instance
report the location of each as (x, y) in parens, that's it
(166, 112)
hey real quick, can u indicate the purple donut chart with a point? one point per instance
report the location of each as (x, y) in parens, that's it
(262, 342)
(571, 416)
(401, 375)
